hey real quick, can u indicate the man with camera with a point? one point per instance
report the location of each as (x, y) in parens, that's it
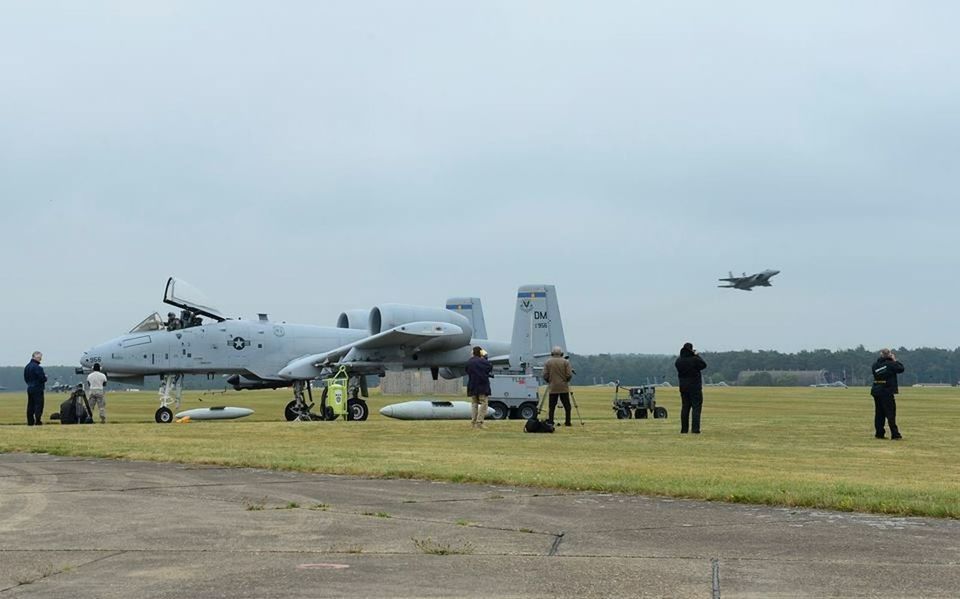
(557, 373)
(479, 372)
(884, 390)
(688, 366)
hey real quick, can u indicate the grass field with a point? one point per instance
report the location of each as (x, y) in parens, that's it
(783, 446)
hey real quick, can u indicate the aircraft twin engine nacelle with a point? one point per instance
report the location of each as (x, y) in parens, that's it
(452, 373)
(354, 319)
(388, 316)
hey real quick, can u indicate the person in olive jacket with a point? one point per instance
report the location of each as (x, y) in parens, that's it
(35, 379)
(689, 365)
(479, 371)
(884, 389)
(557, 373)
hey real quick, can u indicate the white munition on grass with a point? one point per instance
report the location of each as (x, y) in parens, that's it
(219, 413)
(430, 410)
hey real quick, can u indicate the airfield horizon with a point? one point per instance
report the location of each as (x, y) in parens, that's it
(794, 446)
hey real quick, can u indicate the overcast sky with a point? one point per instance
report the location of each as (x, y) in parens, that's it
(301, 158)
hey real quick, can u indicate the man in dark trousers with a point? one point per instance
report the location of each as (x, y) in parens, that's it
(689, 365)
(557, 373)
(884, 389)
(479, 370)
(35, 379)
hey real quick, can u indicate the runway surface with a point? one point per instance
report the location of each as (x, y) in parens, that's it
(74, 527)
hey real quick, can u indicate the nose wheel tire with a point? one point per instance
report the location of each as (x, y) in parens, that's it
(164, 416)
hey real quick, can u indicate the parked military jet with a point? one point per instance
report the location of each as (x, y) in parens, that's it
(748, 282)
(61, 387)
(261, 354)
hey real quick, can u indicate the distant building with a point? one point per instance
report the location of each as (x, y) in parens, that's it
(419, 382)
(782, 378)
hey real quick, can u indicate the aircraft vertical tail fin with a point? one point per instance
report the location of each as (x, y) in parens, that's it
(537, 327)
(470, 308)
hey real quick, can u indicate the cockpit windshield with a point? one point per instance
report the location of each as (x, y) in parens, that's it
(184, 295)
(150, 323)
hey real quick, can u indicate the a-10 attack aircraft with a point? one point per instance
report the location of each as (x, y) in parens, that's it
(260, 354)
(748, 282)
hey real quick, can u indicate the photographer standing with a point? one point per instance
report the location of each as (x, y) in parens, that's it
(557, 373)
(884, 389)
(35, 379)
(479, 372)
(689, 365)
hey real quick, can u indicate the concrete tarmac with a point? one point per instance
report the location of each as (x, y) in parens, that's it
(75, 527)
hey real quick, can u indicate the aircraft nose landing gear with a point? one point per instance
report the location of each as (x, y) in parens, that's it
(171, 392)
(163, 416)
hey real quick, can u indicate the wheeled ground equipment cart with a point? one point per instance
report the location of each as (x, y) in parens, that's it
(639, 402)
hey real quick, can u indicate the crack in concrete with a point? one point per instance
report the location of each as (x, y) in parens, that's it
(715, 570)
(156, 487)
(670, 527)
(112, 553)
(556, 544)
(498, 498)
(88, 472)
(117, 551)
(435, 521)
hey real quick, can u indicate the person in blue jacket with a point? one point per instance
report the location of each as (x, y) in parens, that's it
(479, 373)
(35, 379)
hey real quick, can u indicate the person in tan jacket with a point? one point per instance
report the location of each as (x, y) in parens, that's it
(557, 373)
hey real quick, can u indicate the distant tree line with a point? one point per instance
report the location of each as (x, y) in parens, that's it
(851, 366)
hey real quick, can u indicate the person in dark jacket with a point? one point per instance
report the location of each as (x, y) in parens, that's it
(884, 389)
(35, 379)
(689, 365)
(479, 372)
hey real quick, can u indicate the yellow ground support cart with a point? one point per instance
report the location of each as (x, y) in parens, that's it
(335, 396)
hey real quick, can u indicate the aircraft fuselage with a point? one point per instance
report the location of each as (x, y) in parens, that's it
(258, 348)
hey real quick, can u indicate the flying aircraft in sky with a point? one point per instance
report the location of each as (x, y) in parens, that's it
(748, 282)
(261, 354)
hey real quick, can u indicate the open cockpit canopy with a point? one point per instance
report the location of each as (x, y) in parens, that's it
(183, 295)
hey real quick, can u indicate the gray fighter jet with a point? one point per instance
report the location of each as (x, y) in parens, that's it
(260, 354)
(748, 282)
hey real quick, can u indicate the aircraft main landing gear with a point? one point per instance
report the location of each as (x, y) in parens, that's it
(299, 408)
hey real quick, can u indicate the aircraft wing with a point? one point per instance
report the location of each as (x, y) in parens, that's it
(499, 360)
(504, 359)
(411, 335)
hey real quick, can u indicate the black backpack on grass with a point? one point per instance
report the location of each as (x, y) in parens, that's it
(538, 426)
